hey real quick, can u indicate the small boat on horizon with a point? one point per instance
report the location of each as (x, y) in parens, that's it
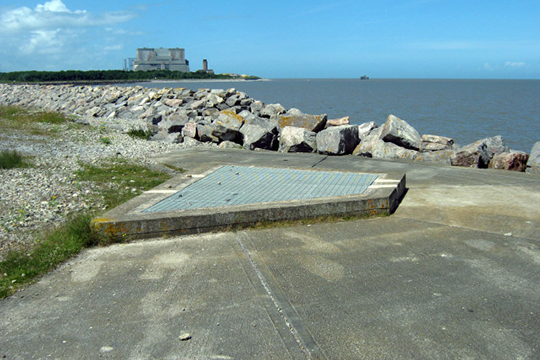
(364, 77)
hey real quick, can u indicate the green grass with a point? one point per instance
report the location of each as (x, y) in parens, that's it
(23, 267)
(17, 118)
(116, 180)
(118, 177)
(140, 134)
(10, 159)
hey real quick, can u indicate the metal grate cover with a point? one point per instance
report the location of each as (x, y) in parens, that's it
(240, 185)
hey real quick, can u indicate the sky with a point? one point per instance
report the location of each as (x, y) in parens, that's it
(455, 39)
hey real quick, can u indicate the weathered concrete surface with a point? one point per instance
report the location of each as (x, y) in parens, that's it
(452, 274)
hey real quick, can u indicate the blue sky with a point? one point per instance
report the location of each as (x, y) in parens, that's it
(282, 39)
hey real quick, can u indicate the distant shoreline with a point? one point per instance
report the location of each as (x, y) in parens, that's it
(206, 80)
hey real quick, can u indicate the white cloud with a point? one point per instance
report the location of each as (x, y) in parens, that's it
(514, 64)
(54, 14)
(54, 5)
(52, 36)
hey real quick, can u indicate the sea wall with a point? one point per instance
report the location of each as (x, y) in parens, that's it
(230, 118)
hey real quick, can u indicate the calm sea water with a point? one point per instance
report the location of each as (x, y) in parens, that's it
(465, 110)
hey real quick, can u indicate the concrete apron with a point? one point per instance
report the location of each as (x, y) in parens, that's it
(452, 274)
(136, 219)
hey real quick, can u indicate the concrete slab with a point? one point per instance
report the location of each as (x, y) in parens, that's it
(452, 274)
(232, 196)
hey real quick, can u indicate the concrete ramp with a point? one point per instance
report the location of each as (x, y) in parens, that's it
(232, 196)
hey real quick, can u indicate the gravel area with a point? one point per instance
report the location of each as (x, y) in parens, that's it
(39, 197)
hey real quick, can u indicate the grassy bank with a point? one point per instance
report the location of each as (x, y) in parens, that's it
(117, 181)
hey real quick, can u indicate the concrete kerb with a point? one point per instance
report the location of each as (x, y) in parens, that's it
(129, 221)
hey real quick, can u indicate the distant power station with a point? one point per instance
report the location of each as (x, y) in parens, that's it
(173, 59)
(161, 59)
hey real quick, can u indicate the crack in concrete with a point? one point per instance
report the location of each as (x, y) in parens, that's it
(273, 297)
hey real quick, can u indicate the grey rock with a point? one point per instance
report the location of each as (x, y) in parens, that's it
(264, 122)
(479, 153)
(436, 156)
(189, 130)
(366, 128)
(246, 103)
(513, 160)
(245, 114)
(211, 112)
(313, 123)
(260, 137)
(295, 111)
(533, 164)
(174, 123)
(198, 104)
(295, 139)
(436, 143)
(338, 140)
(201, 94)
(227, 126)
(399, 132)
(148, 113)
(219, 92)
(256, 106)
(173, 102)
(233, 100)
(379, 149)
(163, 136)
(205, 133)
(214, 100)
(271, 109)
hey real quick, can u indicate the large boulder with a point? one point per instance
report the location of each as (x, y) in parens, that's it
(227, 126)
(256, 107)
(174, 103)
(436, 143)
(399, 132)
(365, 129)
(190, 130)
(513, 160)
(479, 153)
(205, 133)
(338, 140)
(271, 110)
(378, 149)
(437, 156)
(213, 100)
(174, 123)
(313, 123)
(295, 139)
(261, 137)
(533, 164)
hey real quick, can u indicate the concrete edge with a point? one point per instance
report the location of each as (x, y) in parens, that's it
(128, 221)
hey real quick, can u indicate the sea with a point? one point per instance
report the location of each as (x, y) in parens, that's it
(464, 110)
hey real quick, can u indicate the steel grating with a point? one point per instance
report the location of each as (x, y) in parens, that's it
(240, 185)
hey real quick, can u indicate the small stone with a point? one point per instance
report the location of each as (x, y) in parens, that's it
(185, 337)
(106, 349)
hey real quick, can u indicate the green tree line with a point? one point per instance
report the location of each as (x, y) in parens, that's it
(107, 75)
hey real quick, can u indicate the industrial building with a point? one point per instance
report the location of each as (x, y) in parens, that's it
(161, 59)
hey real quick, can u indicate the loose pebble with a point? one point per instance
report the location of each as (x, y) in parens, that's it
(185, 337)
